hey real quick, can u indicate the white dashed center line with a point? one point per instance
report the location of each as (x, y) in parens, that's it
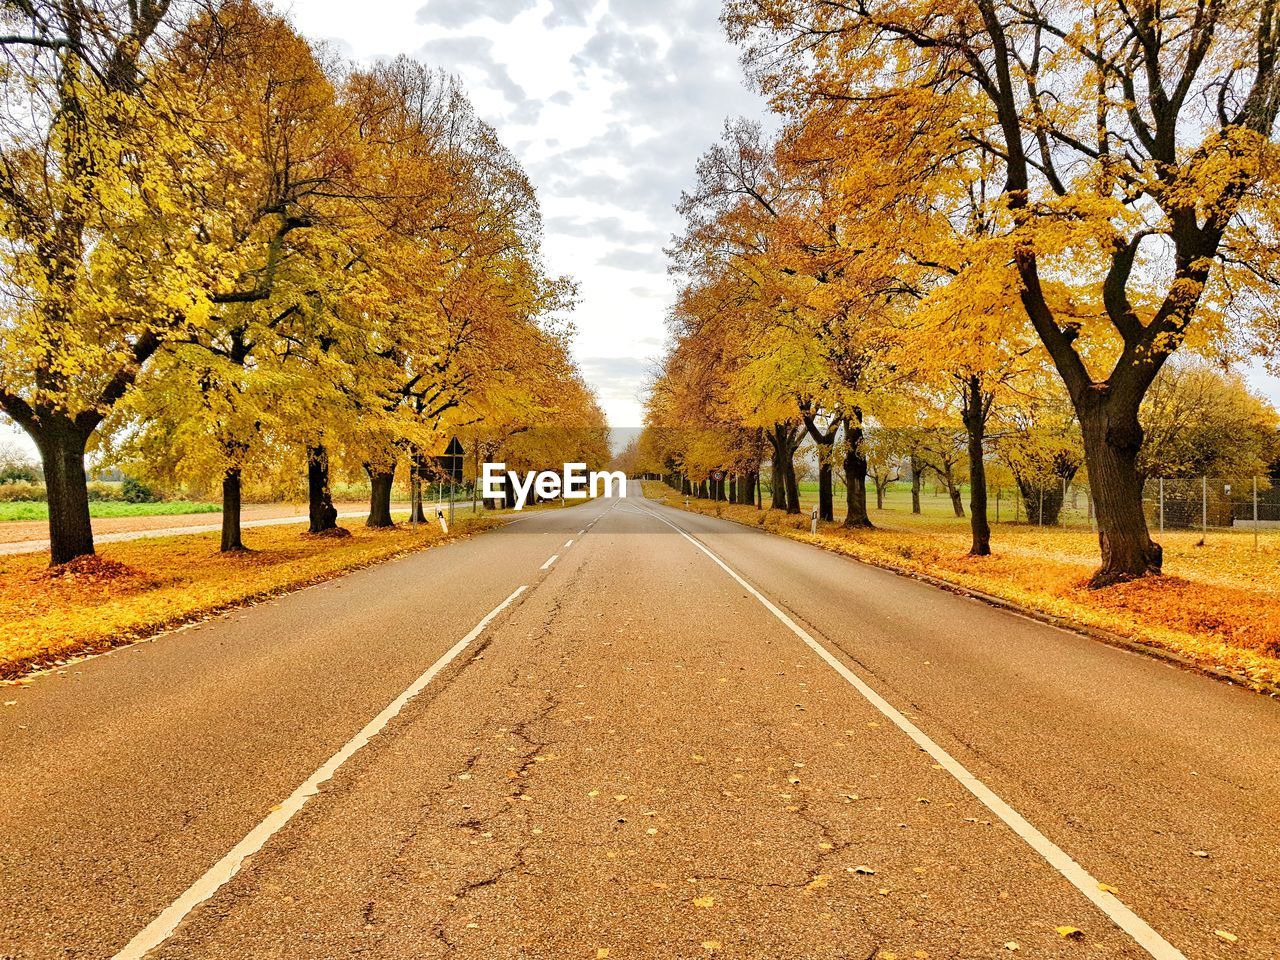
(554, 558)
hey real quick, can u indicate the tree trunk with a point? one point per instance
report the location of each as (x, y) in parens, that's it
(824, 442)
(1043, 503)
(61, 444)
(777, 486)
(786, 490)
(855, 476)
(417, 508)
(231, 491)
(321, 512)
(792, 485)
(826, 488)
(880, 493)
(953, 491)
(917, 476)
(976, 407)
(380, 497)
(747, 488)
(1112, 439)
(417, 511)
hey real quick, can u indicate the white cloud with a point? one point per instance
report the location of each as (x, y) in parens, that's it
(457, 13)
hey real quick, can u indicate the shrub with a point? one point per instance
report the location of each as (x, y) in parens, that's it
(19, 473)
(100, 490)
(135, 491)
(24, 492)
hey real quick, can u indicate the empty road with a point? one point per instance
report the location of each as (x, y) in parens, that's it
(621, 730)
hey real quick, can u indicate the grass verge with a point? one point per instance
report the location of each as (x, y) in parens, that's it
(138, 588)
(1218, 606)
(29, 510)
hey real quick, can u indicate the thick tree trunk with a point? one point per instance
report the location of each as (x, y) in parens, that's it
(855, 476)
(786, 491)
(61, 444)
(777, 486)
(976, 408)
(1112, 439)
(380, 497)
(321, 512)
(1043, 503)
(917, 477)
(826, 488)
(231, 493)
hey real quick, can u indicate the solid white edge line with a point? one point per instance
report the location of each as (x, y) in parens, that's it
(554, 558)
(159, 929)
(1124, 918)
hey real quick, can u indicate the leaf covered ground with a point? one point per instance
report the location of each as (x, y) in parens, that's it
(1218, 604)
(134, 589)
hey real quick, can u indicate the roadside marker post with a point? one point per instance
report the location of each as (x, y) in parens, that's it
(1255, 514)
(813, 523)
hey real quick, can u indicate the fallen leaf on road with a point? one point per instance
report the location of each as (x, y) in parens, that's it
(651, 831)
(1107, 888)
(818, 882)
(711, 945)
(602, 953)
(1012, 945)
(865, 871)
(1223, 935)
(704, 901)
(1200, 853)
(1071, 933)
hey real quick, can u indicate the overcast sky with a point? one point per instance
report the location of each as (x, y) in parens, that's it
(607, 103)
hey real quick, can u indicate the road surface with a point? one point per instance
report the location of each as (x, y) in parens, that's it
(678, 738)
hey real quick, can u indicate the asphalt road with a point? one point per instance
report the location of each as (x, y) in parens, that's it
(667, 744)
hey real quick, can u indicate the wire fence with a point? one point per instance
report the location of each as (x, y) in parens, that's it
(1223, 505)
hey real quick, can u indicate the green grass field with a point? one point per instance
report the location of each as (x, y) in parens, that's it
(23, 510)
(935, 504)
